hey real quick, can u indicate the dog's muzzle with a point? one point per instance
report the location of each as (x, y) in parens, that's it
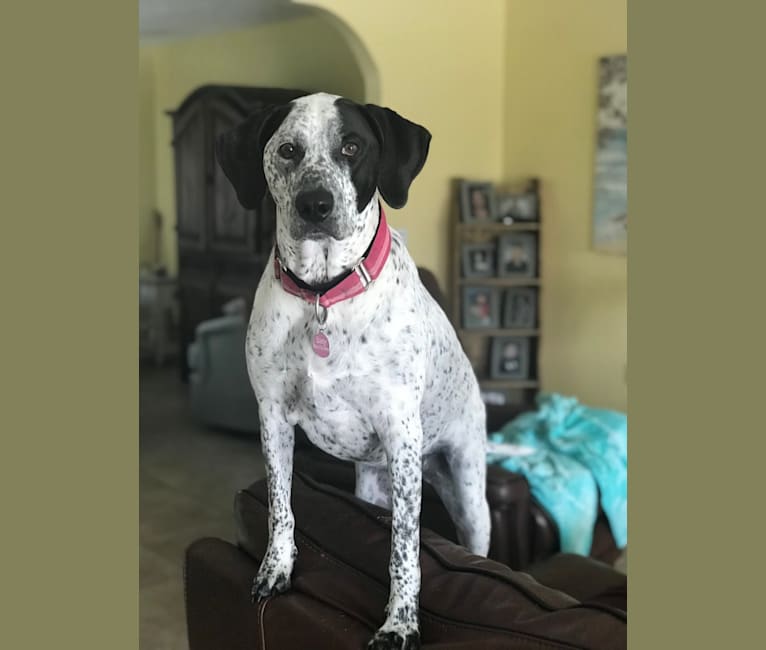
(314, 206)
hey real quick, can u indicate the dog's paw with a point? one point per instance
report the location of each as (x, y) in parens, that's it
(274, 574)
(269, 585)
(394, 641)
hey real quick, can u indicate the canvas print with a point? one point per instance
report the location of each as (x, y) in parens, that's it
(610, 197)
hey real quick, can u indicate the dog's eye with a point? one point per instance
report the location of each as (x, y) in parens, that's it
(287, 150)
(349, 149)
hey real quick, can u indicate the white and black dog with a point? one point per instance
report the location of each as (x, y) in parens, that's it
(345, 341)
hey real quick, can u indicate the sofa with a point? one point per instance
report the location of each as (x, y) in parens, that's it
(340, 586)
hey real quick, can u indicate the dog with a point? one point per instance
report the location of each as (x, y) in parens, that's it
(346, 342)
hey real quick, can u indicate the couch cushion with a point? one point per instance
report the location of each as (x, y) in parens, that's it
(343, 553)
(507, 494)
(584, 578)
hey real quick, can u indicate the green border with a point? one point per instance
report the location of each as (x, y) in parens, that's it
(68, 249)
(69, 255)
(696, 179)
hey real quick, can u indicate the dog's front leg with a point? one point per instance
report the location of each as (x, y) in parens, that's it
(277, 441)
(403, 444)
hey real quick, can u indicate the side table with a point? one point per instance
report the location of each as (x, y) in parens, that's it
(157, 315)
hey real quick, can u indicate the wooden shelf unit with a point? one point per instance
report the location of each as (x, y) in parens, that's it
(477, 341)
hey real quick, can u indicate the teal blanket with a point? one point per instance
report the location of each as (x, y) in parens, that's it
(572, 456)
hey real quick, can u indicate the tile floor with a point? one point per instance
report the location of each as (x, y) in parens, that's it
(188, 477)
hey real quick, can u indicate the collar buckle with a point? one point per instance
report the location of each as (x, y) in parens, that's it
(364, 275)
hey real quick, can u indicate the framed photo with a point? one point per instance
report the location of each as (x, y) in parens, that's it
(477, 202)
(512, 208)
(517, 255)
(520, 307)
(510, 358)
(479, 260)
(480, 308)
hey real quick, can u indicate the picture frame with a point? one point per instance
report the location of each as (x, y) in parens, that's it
(477, 202)
(509, 358)
(513, 208)
(479, 260)
(481, 308)
(520, 308)
(517, 255)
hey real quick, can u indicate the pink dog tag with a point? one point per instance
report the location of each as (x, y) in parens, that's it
(321, 345)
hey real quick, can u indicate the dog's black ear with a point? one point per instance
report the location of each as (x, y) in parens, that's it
(403, 151)
(240, 153)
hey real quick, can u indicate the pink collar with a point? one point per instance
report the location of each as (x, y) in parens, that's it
(352, 283)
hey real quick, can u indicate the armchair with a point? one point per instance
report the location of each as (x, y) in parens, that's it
(219, 387)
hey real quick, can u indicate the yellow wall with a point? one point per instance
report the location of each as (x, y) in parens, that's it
(508, 90)
(304, 53)
(551, 51)
(440, 63)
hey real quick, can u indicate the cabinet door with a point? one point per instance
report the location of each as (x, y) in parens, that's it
(190, 152)
(231, 226)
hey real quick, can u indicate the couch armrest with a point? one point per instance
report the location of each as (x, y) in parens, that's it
(218, 577)
(198, 349)
(195, 359)
(217, 582)
(509, 501)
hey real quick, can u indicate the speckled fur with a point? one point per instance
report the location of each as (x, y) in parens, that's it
(397, 395)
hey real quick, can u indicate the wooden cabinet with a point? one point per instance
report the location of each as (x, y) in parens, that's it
(222, 248)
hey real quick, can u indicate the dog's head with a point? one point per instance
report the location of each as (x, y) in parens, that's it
(322, 157)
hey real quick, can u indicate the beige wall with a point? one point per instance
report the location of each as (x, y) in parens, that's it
(304, 53)
(551, 51)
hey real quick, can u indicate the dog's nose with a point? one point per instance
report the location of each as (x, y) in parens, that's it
(314, 205)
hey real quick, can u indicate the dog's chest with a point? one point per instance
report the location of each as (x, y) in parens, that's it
(333, 399)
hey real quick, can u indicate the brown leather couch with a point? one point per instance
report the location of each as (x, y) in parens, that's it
(340, 586)
(522, 530)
